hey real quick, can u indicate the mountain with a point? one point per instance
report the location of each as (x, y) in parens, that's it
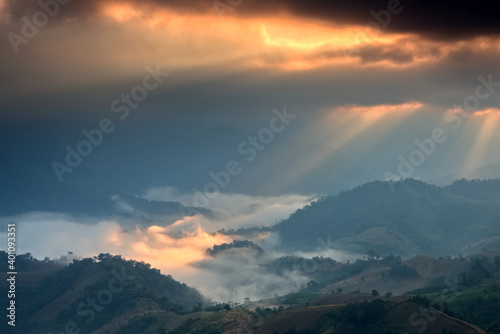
(487, 172)
(93, 294)
(30, 185)
(375, 316)
(135, 164)
(109, 295)
(405, 218)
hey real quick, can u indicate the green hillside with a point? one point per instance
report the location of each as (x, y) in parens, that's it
(102, 291)
(109, 295)
(405, 218)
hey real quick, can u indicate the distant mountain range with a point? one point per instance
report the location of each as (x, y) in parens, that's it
(133, 165)
(404, 218)
(29, 182)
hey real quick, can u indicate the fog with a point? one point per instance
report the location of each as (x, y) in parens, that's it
(178, 248)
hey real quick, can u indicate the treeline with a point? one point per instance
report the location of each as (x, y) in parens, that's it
(437, 220)
(89, 279)
(234, 245)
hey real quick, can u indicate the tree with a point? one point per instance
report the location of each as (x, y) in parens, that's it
(375, 293)
(388, 294)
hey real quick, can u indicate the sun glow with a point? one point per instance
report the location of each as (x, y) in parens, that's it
(280, 42)
(121, 12)
(343, 125)
(487, 122)
(373, 113)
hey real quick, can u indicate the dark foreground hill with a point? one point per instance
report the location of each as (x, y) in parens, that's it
(108, 295)
(405, 218)
(93, 295)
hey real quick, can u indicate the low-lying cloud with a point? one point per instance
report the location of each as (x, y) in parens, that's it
(234, 211)
(177, 248)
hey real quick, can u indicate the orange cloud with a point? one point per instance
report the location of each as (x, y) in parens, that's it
(121, 12)
(281, 42)
(373, 113)
(156, 246)
(487, 112)
(128, 36)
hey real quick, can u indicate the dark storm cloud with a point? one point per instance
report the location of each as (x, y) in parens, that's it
(441, 19)
(83, 8)
(440, 84)
(370, 54)
(74, 8)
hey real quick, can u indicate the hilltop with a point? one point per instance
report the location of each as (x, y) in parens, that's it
(95, 294)
(109, 295)
(404, 218)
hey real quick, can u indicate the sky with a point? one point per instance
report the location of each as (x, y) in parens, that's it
(335, 93)
(389, 67)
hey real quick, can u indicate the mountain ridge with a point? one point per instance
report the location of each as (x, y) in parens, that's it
(439, 220)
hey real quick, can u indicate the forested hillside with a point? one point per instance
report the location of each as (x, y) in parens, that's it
(405, 218)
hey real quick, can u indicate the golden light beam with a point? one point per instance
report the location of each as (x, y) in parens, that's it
(490, 119)
(354, 119)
